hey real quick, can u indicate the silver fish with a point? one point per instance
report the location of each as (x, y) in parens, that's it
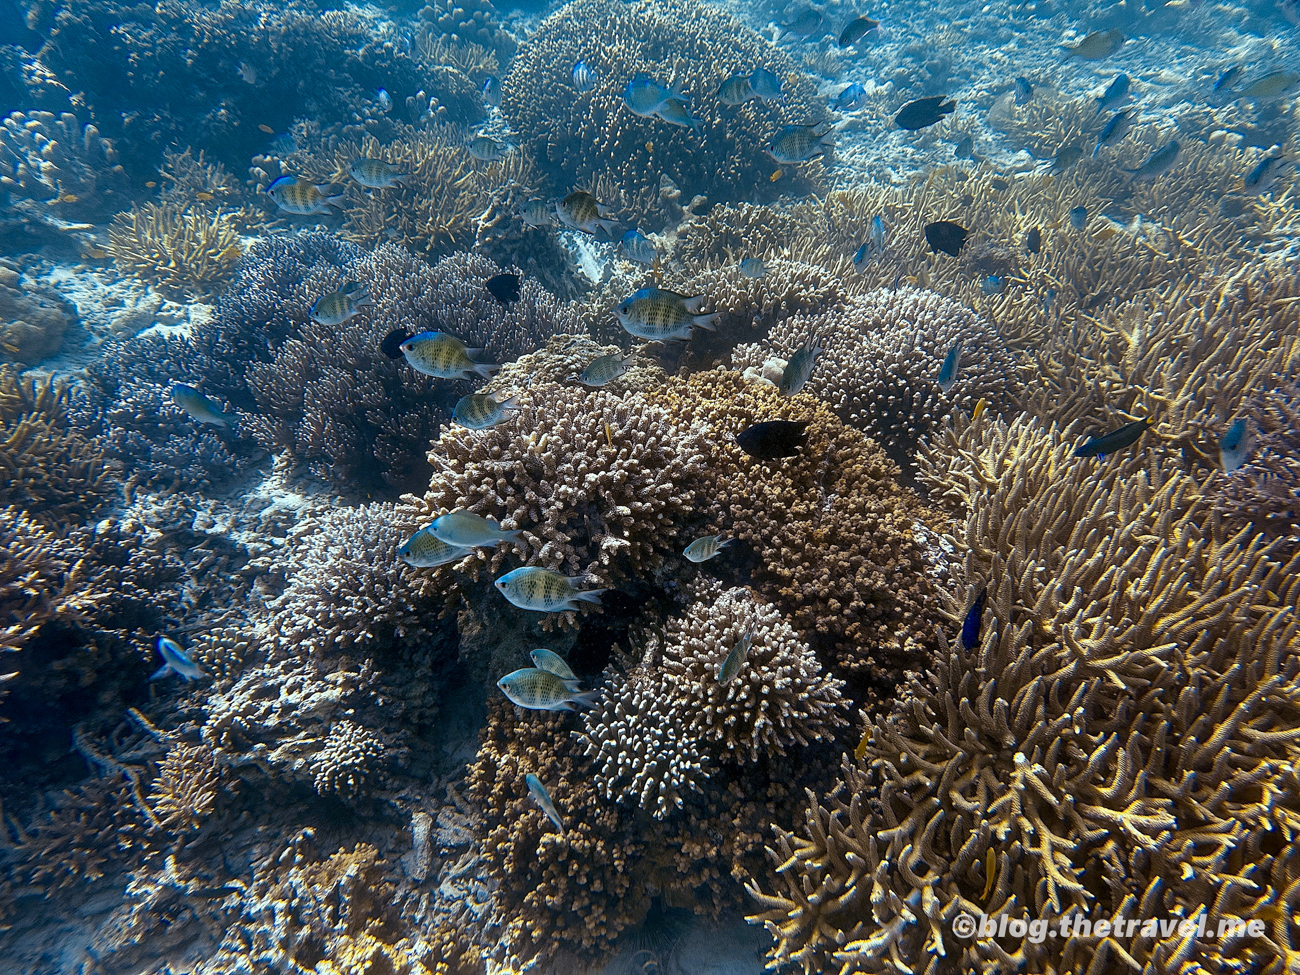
(1262, 176)
(541, 690)
(486, 149)
(1115, 93)
(736, 90)
(753, 267)
(552, 661)
(657, 315)
(766, 84)
(800, 143)
(798, 369)
(583, 78)
(1158, 163)
(637, 247)
(198, 406)
(581, 211)
(293, 195)
(339, 306)
(479, 411)
(444, 356)
(545, 591)
(385, 100)
(951, 362)
(1115, 130)
(176, 661)
(736, 659)
(425, 550)
(538, 213)
(1236, 445)
(675, 112)
(605, 369)
(468, 530)
(706, 547)
(377, 174)
(544, 800)
(645, 97)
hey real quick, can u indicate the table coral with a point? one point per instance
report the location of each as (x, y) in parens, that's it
(580, 137)
(1033, 772)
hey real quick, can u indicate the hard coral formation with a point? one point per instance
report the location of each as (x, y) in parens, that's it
(579, 138)
(56, 158)
(1041, 770)
(469, 22)
(33, 320)
(880, 361)
(182, 251)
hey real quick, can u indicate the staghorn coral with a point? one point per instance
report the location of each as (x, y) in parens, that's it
(579, 138)
(56, 158)
(185, 791)
(1039, 772)
(880, 358)
(34, 319)
(1264, 495)
(92, 828)
(662, 729)
(40, 580)
(183, 251)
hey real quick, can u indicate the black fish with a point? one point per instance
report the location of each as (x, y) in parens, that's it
(1033, 241)
(945, 236)
(1024, 91)
(1108, 443)
(999, 184)
(964, 149)
(504, 288)
(773, 439)
(391, 345)
(855, 30)
(970, 629)
(923, 112)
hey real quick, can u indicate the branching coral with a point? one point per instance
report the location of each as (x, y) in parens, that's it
(40, 580)
(56, 158)
(183, 251)
(579, 137)
(1041, 771)
(349, 762)
(881, 356)
(187, 787)
(469, 22)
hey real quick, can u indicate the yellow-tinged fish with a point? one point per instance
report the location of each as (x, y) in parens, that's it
(479, 411)
(1097, 45)
(980, 407)
(200, 407)
(541, 690)
(486, 149)
(444, 356)
(552, 661)
(424, 550)
(468, 530)
(203, 196)
(581, 211)
(862, 746)
(377, 174)
(544, 591)
(658, 315)
(339, 306)
(293, 195)
(1271, 85)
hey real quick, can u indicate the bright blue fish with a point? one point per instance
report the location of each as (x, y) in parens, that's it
(851, 98)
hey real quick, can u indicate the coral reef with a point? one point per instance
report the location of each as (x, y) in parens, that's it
(1264, 495)
(187, 787)
(182, 251)
(1043, 749)
(880, 357)
(56, 158)
(469, 22)
(579, 138)
(33, 320)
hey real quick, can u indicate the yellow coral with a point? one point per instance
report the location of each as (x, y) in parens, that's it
(182, 250)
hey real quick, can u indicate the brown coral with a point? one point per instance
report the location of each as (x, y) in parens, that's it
(183, 251)
(32, 320)
(187, 786)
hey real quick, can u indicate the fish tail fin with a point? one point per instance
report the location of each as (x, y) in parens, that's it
(706, 322)
(161, 672)
(516, 537)
(485, 369)
(609, 226)
(694, 303)
(509, 404)
(1096, 149)
(586, 596)
(587, 699)
(334, 201)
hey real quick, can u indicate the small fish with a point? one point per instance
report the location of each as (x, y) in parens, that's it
(1236, 445)
(736, 90)
(753, 267)
(706, 547)
(198, 406)
(339, 306)
(544, 800)
(776, 174)
(878, 232)
(970, 627)
(605, 369)
(1271, 85)
(583, 77)
(151, 183)
(540, 690)
(637, 247)
(480, 411)
(444, 356)
(675, 112)
(851, 98)
(924, 111)
(247, 72)
(263, 127)
(464, 529)
(797, 370)
(807, 23)
(1033, 240)
(283, 144)
(1115, 93)
(1108, 443)
(391, 345)
(486, 149)
(425, 550)
(857, 29)
(504, 288)
(552, 661)
(1158, 163)
(295, 196)
(1225, 80)
(862, 256)
(947, 377)
(993, 285)
(1049, 299)
(1078, 217)
(658, 315)
(1116, 128)
(545, 591)
(773, 439)
(1065, 157)
(736, 659)
(946, 236)
(1024, 91)
(203, 196)
(491, 91)
(176, 661)
(645, 97)
(766, 84)
(537, 213)
(1262, 176)
(1097, 45)
(580, 211)
(965, 147)
(800, 143)
(384, 100)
